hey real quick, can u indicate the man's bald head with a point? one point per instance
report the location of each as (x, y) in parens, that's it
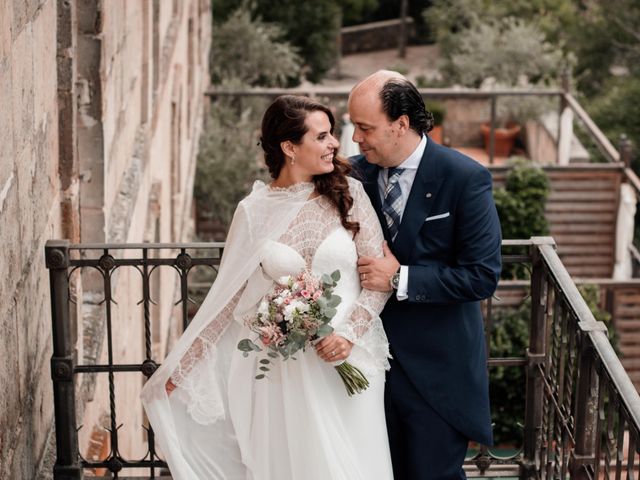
(375, 81)
(397, 97)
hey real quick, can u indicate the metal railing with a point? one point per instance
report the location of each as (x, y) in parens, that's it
(582, 413)
(564, 97)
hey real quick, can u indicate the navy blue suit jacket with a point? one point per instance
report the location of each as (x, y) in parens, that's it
(437, 334)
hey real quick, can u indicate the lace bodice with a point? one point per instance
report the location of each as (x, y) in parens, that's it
(317, 220)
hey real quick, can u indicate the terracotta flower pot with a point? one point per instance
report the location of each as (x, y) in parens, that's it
(504, 138)
(436, 134)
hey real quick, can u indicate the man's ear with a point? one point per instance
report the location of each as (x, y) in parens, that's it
(403, 124)
(288, 148)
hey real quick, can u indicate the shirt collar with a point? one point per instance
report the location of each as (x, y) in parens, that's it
(413, 161)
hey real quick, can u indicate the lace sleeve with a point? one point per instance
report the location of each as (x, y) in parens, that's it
(203, 344)
(364, 327)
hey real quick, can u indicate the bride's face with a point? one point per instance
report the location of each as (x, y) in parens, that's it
(314, 155)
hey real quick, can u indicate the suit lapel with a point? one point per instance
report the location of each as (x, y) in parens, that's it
(423, 193)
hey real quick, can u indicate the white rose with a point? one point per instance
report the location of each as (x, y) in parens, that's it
(263, 308)
(288, 311)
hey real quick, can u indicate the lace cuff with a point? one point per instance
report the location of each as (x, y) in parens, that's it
(364, 327)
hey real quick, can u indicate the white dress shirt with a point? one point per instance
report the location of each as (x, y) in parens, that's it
(405, 182)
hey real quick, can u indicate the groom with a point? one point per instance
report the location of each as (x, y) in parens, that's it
(443, 256)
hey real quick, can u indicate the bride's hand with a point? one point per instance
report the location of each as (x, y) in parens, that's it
(334, 348)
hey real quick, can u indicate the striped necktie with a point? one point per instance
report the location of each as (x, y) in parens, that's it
(391, 207)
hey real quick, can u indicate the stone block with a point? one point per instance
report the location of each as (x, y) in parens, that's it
(11, 258)
(19, 17)
(9, 399)
(6, 27)
(22, 84)
(6, 130)
(28, 203)
(44, 65)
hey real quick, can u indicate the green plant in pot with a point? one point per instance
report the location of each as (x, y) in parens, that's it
(512, 113)
(439, 111)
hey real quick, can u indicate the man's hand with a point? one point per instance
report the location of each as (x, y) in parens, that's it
(376, 272)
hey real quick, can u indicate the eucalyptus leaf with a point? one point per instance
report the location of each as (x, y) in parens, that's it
(245, 345)
(264, 361)
(336, 275)
(260, 376)
(330, 312)
(325, 330)
(264, 369)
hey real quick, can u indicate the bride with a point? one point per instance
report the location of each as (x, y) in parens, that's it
(212, 418)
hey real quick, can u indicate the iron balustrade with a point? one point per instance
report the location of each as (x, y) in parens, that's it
(582, 413)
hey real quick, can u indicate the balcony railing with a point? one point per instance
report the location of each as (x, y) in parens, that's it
(562, 95)
(582, 413)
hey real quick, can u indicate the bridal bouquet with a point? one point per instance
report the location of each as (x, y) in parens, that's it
(293, 316)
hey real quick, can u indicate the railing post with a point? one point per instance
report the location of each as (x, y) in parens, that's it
(624, 147)
(585, 411)
(530, 466)
(62, 363)
(492, 132)
(563, 143)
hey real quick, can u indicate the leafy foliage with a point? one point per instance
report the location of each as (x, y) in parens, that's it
(313, 27)
(507, 50)
(251, 52)
(229, 160)
(520, 205)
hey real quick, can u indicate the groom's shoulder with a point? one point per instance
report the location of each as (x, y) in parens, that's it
(359, 167)
(457, 163)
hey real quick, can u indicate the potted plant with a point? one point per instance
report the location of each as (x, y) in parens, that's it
(512, 112)
(439, 111)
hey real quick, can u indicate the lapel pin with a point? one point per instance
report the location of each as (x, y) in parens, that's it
(428, 195)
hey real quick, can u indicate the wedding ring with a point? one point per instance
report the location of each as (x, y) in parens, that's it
(333, 354)
(364, 277)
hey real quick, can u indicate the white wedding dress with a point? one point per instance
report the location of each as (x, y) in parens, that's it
(298, 423)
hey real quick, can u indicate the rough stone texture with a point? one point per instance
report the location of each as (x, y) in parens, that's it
(86, 145)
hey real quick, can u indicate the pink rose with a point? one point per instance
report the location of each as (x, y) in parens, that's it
(317, 294)
(305, 293)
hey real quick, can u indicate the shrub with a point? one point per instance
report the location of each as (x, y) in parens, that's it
(252, 52)
(521, 203)
(228, 161)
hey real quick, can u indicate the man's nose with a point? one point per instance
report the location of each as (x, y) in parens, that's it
(356, 137)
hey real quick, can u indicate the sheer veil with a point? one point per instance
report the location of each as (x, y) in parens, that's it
(190, 423)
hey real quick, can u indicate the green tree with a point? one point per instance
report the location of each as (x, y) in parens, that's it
(229, 160)
(313, 27)
(251, 52)
(506, 50)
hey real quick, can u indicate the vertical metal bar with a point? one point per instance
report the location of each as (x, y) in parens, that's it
(535, 385)
(620, 444)
(585, 411)
(107, 264)
(492, 131)
(566, 87)
(62, 363)
(402, 40)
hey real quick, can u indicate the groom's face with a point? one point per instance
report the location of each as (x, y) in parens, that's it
(376, 135)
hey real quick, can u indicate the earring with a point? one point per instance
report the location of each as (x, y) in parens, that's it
(293, 160)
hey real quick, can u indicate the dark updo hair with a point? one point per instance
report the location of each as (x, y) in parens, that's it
(400, 97)
(283, 121)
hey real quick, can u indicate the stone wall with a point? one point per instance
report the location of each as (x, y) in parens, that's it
(101, 113)
(373, 36)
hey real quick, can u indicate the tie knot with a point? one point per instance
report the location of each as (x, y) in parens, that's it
(393, 174)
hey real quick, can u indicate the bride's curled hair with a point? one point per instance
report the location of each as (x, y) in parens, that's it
(283, 121)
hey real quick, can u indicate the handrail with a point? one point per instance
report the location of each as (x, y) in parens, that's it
(341, 91)
(611, 362)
